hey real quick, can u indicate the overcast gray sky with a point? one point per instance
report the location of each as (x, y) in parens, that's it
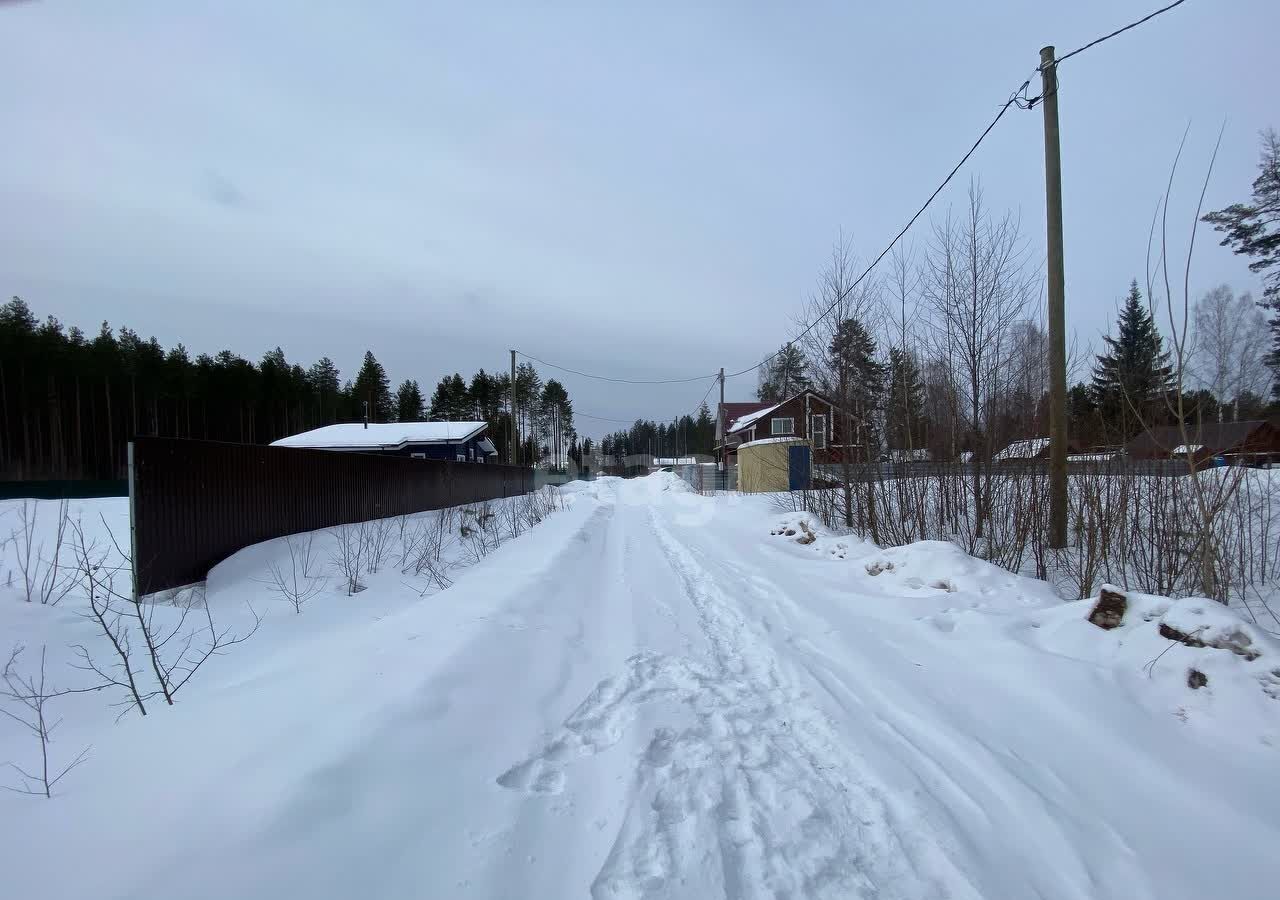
(645, 191)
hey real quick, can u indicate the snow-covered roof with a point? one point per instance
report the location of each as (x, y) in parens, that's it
(903, 455)
(486, 446)
(1187, 448)
(784, 439)
(381, 435)
(1027, 449)
(743, 421)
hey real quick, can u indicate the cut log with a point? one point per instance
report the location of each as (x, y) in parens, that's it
(1109, 611)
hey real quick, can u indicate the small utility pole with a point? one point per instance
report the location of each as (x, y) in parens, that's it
(1057, 303)
(511, 451)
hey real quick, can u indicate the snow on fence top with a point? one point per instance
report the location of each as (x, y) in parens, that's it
(355, 435)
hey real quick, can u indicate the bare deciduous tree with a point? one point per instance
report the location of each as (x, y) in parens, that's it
(43, 579)
(1212, 493)
(838, 300)
(1229, 347)
(32, 694)
(978, 284)
(108, 612)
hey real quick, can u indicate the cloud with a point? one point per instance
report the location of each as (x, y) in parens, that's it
(222, 191)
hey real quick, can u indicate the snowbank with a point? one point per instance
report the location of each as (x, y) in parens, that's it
(659, 694)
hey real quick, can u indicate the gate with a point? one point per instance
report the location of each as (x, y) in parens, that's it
(799, 467)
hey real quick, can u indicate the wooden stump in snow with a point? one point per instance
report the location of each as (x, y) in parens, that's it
(1108, 613)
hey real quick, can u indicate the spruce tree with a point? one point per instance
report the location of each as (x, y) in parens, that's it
(1132, 377)
(705, 431)
(905, 414)
(409, 402)
(373, 387)
(858, 379)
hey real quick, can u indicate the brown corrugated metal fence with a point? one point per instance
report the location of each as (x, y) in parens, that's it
(194, 503)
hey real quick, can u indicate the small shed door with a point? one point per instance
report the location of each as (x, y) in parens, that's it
(798, 467)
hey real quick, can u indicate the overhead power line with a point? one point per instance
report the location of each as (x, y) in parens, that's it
(1106, 37)
(577, 414)
(1030, 102)
(543, 362)
(1013, 99)
(1019, 99)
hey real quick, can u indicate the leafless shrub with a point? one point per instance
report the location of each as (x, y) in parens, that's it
(112, 615)
(350, 542)
(379, 537)
(478, 529)
(196, 644)
(43, 579)
(423, 548)
(32, 693)
(300, 580)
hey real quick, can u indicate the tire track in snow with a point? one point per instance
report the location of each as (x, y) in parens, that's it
(756, 798)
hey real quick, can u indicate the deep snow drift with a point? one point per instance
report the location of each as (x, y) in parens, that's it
(657, 694)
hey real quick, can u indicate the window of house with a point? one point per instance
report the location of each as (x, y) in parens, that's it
(782, 426)
(418, 455)
(818, 432)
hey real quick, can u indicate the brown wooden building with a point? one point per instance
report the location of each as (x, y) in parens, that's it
(1253, 442)
(807, 416)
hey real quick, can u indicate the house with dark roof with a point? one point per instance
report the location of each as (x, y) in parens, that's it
(457, 441)
(1252, 442)
(807, 417)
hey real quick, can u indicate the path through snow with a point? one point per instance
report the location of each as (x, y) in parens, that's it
(649, 695)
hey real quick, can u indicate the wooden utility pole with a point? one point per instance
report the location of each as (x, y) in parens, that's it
(1057, 303)
(719, 413)
(511, 450)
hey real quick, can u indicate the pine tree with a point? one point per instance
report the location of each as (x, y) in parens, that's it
(1253, 229)
(555, 425)
(784, 375)
(323, 382)
(1082, 416)
(408, 402)
(905, 414)
(373, 387)
(451, 401)
(1130, 380)
(858, 379)
(704, 431)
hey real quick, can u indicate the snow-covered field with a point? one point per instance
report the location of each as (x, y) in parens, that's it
(658, 694)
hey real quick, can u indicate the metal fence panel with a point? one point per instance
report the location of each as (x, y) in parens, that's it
(194, 503)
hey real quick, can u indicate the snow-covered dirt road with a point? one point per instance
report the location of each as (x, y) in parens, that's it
(651, 695)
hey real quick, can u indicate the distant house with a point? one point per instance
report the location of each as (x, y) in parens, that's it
(807, 417)
(1252, 442)
(902, 455)
(1031, 448)
(459, 441)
